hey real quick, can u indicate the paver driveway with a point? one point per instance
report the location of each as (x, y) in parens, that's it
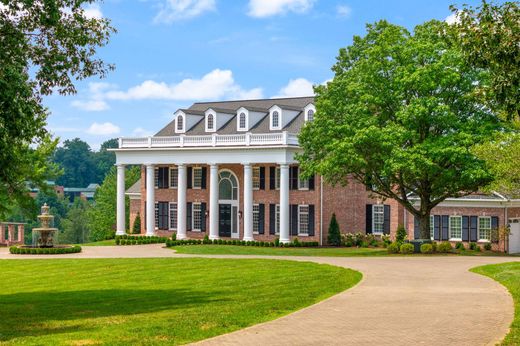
(400, 301)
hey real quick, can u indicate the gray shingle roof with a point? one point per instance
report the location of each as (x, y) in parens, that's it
(136, 188)
(230, 107)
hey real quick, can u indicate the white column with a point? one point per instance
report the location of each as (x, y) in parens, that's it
(213, 202)
(284, 203)
(181, 202)
(248, 202)
(150, 200)
(120, 205)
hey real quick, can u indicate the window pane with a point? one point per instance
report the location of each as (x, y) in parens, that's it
(197, 177)
(484, 228)
(432, 224)
(455, 227)
(378, 218)
(256, 178)
(173, 215)
(156, 215)
(225, 189)
(303, 219)
(174, 177)
(256, 218)
(180, 123)
(197, 216)
(310, 115)
(277, 178)
(277, 225)
(276, 119)
(210, 122)
(242, 121)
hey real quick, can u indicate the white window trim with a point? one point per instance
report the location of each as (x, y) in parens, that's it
(277, 177)
(300, 180)
(307, 109)
(170, 217)
(374, 219)
(280, 116)
(193, 229)
(256, 168)
(214, 115)
(170, 177)
(156, 215)
(299, 215)
(449, 228)
(193, 178)
(239, 128)
(478, 230)
(256, 205)
(156, 178)
(432, 227)
(183, 129)
(277, 218)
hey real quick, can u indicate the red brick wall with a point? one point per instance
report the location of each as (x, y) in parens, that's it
(135, 208)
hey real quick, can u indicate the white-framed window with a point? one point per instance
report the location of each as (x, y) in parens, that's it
(156, 215)
(277, 223)
(210, 122)
(174, 177)
(455, 227)
(156, 177)
(303, 220)
(242, 121)
(277, 178)
(275, 120)
(256, 218)
(432, 225)
(180, 123)
(197, 177)
(303, 184)
(484, 228)
(310, 115)
(173, 216)
(256, 178)
(196, 213)
(378, 218)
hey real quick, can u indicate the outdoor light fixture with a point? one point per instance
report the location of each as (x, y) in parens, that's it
(240, 214)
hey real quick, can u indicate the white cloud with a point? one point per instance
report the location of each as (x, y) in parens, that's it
(343, 10)
(296, 87)
(63, 129)
(140, 132)
(175, 10)
(90, 105)
(217, 84)
(103, 129)
(452, 19)
(93, 11)
(267, 8)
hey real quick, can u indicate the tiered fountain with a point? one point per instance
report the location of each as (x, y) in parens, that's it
(45, 236)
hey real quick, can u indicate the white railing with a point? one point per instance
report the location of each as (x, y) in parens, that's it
(214, 140)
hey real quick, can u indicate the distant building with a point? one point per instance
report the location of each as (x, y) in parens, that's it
(57, 188)
(85, 193)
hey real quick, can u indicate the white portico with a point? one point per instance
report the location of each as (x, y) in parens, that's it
(217, 136)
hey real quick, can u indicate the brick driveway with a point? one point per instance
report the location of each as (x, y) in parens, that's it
(400, 301)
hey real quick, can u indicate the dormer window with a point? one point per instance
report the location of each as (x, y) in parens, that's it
(180, 123)
(310, 115)
(242, 121)
(275, 120)
(210, 122)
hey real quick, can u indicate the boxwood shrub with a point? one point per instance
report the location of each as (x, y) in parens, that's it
(18, 250)
(406, 248)
(426, 248)
(138, 240)
(444, 247)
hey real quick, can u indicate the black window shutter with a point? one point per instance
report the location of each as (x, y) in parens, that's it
(163, 177)
(293, 178)
(437, 227)
(473, 226)
(203, 217)
(272, 218)
(445, 227)
(386, 225)
(494, 222)
(190, 177)
(261, 218)
(293, 216)
(272, 175)
(204, 177)
(311, 219)
(416, 228)
(163, 219)
(262, 178)
(368, 225)
(188, 217)
(311, 183)
(465, 228)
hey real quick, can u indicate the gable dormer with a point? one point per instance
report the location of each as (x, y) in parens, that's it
(215, 118)
(242, 119)
(185, 119)
(280, 116)
(210, 121)
(248, 117)
(309, 112)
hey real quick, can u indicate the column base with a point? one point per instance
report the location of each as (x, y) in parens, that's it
(120, 233)
(285, 241)
(214, 237)
(150, 234)
(248, 239)
(181, 236)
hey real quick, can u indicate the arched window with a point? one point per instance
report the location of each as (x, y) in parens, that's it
(180, 123)
(227, 186)
(210, 122)
(310, 115)
(242, 121)
(275, 119)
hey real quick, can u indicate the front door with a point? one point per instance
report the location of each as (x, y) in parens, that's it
(224, 220)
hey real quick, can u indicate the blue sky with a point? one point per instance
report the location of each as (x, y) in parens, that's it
(171, 53)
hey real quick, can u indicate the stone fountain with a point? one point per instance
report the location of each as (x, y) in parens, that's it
(45, 236)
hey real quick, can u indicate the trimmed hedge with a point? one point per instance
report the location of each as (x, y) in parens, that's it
(139, 240)
(205, 241)
(444, 247)
(393, 248)
(406, 248)
(426, 248)
(16, 250)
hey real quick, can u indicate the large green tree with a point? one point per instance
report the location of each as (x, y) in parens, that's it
(102, 217)
(44, 47)
(489, 37)
(77, 160)
(75, 225)
(400, 116)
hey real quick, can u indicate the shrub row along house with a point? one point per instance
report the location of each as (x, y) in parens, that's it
(228, 170)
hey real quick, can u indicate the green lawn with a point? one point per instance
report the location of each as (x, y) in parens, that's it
(153, 301)
(508, 274)
(110, 242)
(276, 251)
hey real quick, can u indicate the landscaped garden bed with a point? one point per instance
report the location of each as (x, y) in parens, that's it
(166, 301)
(206, 241)
(139, 240)
(57, 250)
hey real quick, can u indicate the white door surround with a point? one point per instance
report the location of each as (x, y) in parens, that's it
(229, 194)
(514, 237)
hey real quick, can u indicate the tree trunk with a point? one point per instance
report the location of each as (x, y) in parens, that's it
(424, 226)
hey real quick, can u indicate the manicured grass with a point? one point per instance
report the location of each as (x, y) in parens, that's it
(110, 242)
(153, 301)
(276, 251)
(508, 274)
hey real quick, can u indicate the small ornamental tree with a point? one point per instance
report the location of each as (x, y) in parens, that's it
(401, 116)
(334, 237)
(137, 224)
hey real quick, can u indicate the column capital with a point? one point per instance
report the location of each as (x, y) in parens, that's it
(120, 165)
(213, 165)
(247, 164)
(283, 165)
